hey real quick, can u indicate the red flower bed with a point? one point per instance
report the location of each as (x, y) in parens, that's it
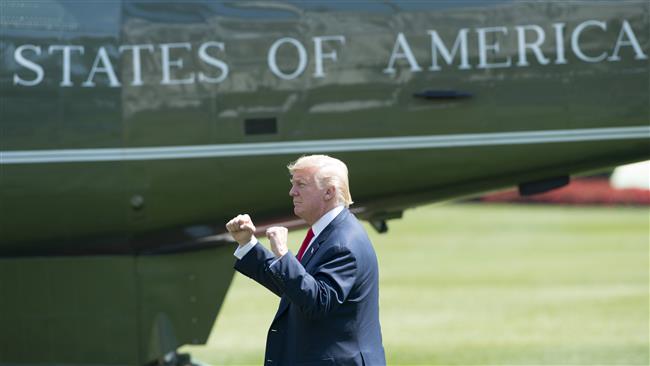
(586, 191)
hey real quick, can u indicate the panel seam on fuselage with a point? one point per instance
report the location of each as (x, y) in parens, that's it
(322, 146)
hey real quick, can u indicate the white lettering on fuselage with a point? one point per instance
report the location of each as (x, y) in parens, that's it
(402, 50)
(531, 42)
(137, 69)
(66, 51)
(459, 44)
(107, 68)
(31, 65)
(272, 58)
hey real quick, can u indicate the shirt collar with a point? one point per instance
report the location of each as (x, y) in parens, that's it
(325, 220)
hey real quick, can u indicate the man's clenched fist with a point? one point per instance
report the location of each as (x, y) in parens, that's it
(241, 228)
(278, 237)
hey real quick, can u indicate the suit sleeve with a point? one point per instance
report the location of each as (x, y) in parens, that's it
(319, 293)
(255, 264)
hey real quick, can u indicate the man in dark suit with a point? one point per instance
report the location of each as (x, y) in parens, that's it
(329, 292)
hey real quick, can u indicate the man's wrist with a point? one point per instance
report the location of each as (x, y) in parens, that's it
(252, 241)
(276, 260)
(242, 250)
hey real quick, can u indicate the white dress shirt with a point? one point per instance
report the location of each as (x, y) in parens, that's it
(317, 228)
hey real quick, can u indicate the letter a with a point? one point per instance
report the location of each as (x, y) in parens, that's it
(401, 43)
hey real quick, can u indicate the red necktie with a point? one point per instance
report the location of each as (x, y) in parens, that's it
(305, 243)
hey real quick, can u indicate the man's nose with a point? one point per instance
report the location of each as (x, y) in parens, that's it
(292, 191)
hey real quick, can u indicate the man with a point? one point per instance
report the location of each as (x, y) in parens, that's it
(329, 292)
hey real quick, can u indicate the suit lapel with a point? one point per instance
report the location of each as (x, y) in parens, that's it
(311, 252)
(322, 237)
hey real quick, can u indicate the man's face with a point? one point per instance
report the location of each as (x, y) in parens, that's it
(309, 202)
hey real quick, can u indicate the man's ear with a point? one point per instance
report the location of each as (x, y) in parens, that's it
(329, 193)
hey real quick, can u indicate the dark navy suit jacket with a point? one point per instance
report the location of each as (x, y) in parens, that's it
(329, 306)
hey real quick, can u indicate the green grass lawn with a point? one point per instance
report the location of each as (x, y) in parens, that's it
(477, 284)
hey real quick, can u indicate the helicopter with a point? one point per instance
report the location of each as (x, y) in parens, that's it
(129, 130)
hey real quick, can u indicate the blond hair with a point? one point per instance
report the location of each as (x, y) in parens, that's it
(330, 172)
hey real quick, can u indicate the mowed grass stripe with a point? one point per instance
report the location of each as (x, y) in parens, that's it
(488, 285)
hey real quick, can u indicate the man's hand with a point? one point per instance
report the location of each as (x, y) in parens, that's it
(241, 228)
(278, 237)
